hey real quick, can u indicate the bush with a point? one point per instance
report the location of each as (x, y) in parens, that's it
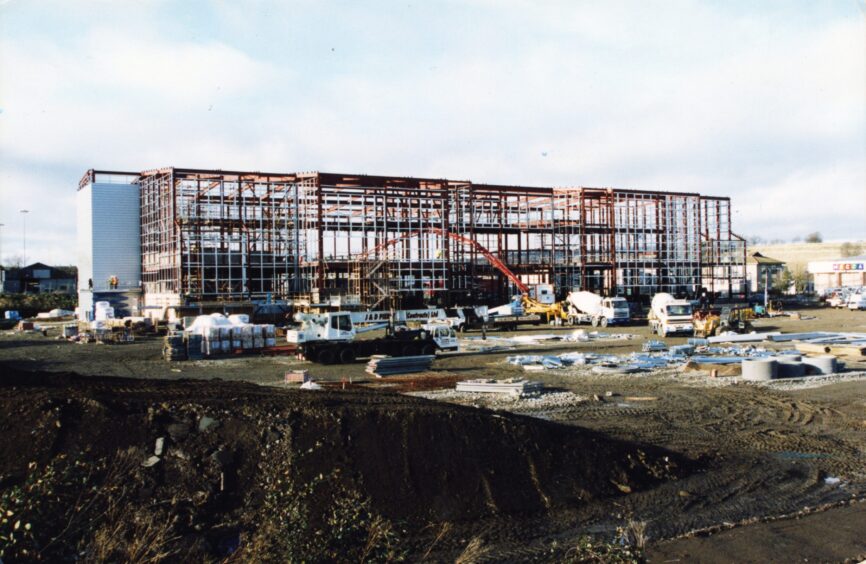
(850, 249)
(814, 237)
(28, 305)
(68, 508)
(318, 520)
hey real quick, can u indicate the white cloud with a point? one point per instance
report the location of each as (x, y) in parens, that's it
(668, 95)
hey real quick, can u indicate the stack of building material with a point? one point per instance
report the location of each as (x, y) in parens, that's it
(381, 365)
(830, 348)
(194, 346)
(104, 311)
(222, 335)
(511, 386)
(173, 347)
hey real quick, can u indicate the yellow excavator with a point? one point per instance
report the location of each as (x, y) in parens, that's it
(714, 322)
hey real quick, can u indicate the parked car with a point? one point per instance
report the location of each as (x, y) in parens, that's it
(857, 301)
(837, 299)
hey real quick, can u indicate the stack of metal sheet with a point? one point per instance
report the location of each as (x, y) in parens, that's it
(510, 386)
(387, 366)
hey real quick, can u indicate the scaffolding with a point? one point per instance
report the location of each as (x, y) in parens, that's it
(211, 235)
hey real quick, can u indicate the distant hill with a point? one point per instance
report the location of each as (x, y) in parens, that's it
(798, 255)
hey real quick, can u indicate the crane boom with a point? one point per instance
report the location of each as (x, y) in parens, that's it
(494, 261)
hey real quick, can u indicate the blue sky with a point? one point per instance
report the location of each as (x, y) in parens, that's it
(763, 102)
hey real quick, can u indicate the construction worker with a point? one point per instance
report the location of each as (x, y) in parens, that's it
(112, 282)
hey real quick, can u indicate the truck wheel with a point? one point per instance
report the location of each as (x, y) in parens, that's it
(347, 355)
(326, 356)
(603, 322)
(409, 350)
(595, 322)
(428, 349)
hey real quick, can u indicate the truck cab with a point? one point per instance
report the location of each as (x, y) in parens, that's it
(444, 336)
(616, 310)
(332, 326)
(677, 318)
(669, 315)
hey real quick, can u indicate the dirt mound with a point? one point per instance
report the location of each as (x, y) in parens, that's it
(237, 458)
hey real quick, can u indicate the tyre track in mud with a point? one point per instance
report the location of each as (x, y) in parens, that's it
(770, 453)
(715, 498)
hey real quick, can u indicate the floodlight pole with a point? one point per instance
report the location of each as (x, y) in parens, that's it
(24, 231)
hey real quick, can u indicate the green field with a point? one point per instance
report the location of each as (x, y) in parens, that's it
(798, 255)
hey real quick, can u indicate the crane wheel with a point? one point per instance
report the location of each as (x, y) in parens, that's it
(347, 355)
(428, 349)
(326, 356)
(603, 322)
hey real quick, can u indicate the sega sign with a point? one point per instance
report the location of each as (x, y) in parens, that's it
(840, 266)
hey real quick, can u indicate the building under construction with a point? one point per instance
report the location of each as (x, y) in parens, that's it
(385, 242)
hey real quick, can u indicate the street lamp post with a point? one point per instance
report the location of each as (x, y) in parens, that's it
(1, 244)
(24, 231)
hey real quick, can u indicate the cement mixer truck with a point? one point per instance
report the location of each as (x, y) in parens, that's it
(586, 307)
(668, 315)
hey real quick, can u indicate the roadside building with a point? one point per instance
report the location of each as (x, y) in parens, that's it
(848, 271)
(762, 271)
(39, 278)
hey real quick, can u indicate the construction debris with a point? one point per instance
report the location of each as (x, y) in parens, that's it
(654, 346)
(381, 365)
(497, 344)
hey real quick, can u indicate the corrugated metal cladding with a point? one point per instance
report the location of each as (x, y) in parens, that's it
(84, 215)
(115, 235)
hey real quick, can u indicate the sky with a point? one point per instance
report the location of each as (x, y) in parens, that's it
(764, 102)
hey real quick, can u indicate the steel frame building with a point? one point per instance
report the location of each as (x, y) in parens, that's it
(213, 235)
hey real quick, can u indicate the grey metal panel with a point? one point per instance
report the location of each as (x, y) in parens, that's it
(116, 234)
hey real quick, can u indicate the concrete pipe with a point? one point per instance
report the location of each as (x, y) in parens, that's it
(791, 369)
(790, 357)
(820, 364)
(760, 369)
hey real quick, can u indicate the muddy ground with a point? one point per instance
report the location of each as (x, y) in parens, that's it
(765, 473)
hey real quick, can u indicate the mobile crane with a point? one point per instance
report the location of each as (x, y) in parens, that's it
(539, 300)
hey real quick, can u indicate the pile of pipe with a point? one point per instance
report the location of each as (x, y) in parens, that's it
(381, 365)
(788, 366)
(216, 334)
